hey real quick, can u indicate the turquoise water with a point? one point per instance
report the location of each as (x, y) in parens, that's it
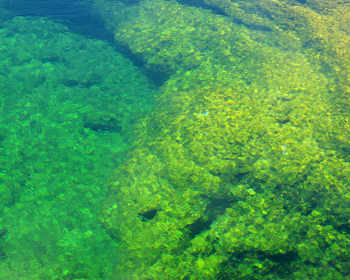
(163, 139)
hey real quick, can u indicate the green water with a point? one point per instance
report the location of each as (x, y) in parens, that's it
(235, 165)
(67, 105)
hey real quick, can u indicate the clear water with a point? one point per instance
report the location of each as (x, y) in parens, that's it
(174, 139)
(69, 100)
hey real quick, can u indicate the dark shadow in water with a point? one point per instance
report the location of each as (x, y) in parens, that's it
(81, 20)
(214, 209)
(78, 18)
(219, 11)
(301, 1)
(156, 77)
(201, 4)
(102, 126)
(149, 215)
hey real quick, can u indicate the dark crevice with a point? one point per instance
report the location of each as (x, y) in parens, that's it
(101, 126)
(284, 120)
(282, 258)
(242, 176)
(214, 209)
(201, 4)
(280, 265)
(146, 216)
(220, 11)
(3, 232)
(3, 255)
(344, 228)
(153, 72)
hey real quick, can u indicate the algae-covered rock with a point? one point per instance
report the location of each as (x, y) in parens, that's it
(241, 170)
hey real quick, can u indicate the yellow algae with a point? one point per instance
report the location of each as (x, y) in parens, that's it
(242, 158)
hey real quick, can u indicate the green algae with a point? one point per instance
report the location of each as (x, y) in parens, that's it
(241, 170)
(67, 104)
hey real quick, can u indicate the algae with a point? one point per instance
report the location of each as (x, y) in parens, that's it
(57, 90)
(241, 169)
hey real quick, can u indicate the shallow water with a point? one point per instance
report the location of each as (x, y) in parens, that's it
(68, 101)
(174, 140)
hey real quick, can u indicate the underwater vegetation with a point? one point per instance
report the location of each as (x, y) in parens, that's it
(67, 104)
(241, 170)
